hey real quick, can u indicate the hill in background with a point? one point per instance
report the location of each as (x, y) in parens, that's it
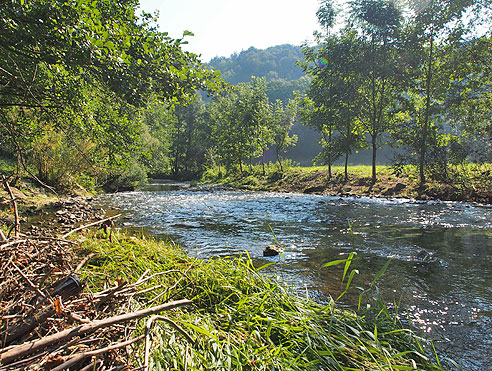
(277, 64)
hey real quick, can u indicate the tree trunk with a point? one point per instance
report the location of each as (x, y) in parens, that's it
(279, 161)
(374, 120)
(263, 162)
(330, 158)
(425, 124)
(346, 165)
(374, 154)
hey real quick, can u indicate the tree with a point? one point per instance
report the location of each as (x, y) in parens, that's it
(283, 120)
(315, 114)
(379, 24)
(470, 96)
(335, 88)
(241, 126)
(188, 139)
(430, 27)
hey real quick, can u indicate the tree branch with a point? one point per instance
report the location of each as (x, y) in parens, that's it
(34, 346)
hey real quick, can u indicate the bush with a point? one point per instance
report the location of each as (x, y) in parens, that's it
(132, 177)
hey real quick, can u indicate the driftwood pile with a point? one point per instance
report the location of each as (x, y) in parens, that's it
(49, 319)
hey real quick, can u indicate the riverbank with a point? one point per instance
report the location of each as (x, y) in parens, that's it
(472, 183)
(226, 314)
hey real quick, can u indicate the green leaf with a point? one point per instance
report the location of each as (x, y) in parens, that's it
(264, 266)
(334, 262)
(347, 265)
(381, 272)
(201, 331)
(110, 45)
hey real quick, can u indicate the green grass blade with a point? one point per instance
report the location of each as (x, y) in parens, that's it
(381, 272)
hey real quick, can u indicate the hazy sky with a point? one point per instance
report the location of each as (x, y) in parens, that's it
(222, 27)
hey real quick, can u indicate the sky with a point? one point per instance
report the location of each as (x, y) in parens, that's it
(223, 27)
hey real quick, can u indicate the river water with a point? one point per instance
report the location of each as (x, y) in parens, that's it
(441, 268)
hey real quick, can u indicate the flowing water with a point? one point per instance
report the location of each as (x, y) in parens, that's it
(441, 268)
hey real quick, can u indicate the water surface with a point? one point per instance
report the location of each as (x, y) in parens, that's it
(441, 269)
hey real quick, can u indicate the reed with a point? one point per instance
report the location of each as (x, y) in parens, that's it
(242, 320)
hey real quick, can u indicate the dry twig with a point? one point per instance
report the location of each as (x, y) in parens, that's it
(90, 225)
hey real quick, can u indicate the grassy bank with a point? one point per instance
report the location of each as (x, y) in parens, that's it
(470, 182)
(241, 320)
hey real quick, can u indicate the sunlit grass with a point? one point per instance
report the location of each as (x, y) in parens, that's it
(243, 321)
(462, 182)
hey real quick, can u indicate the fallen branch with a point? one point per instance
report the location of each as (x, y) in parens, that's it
(28, 325)
(92, 366)
(83, 262)
(90, 225)
(12, 243)
(31, 347)
(80, 357)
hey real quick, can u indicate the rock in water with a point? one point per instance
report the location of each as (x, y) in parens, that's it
(272, 250)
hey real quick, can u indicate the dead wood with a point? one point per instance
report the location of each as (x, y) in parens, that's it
(83, 262)
(28, 325)
(32, 347)
(92, 366)
(90, 225)
(32, 329)
(80, 357)
(32, 285)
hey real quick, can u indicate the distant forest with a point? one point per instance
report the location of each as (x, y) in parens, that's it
(278, 65)
(276, 62)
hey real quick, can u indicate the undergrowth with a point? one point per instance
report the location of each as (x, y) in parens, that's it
(241, 320)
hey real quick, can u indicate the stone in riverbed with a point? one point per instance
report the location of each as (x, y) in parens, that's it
(272, 250)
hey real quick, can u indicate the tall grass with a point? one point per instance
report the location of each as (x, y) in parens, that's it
(242, 320)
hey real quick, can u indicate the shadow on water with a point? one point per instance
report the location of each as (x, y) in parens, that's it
(441, 269)
(163, 185)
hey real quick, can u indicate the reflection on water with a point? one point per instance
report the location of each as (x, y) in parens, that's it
(441, 252)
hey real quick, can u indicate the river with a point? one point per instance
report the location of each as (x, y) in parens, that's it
(441, 252)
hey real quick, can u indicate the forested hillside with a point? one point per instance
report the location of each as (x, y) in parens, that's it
(276, 62)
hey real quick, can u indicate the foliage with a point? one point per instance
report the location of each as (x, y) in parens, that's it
(241, 124)
(404, 72)
(379, 25)
(84, 68)
(334, 94)
(283, 120)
